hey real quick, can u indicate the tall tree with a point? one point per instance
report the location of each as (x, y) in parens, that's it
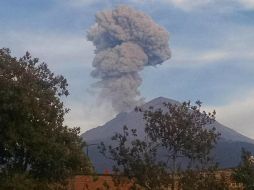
(180, 130)
(175, 134)
(34, 142)
(245, 172)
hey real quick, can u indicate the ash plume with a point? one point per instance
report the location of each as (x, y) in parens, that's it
(126, 41)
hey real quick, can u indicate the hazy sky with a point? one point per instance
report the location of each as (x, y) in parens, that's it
(212, 44)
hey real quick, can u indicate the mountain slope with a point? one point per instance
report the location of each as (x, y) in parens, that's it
(227, 151)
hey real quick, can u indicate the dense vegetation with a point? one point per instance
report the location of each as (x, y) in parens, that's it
(37, 151)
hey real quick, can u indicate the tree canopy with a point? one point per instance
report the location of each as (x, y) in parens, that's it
(34, 143)
(175, 134)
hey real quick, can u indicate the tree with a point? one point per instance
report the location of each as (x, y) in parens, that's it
(175, 134)
(180, 131)
(136, 159)
(245, 172)
(34, 143)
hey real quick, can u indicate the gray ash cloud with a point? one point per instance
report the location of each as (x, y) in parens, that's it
(126, 41)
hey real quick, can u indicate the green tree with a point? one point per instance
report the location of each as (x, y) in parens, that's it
(180, 130)
(245, 172)
(175, 134)
(136, 159)
(35, 146)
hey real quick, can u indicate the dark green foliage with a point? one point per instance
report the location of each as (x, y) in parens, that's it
(34, 143)
(245, 172)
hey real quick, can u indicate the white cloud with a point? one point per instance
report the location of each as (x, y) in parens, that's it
(213, 56)
(89, 3)
(235, 46)
(79, 2)
(189, 5)
(183, 56)
(88, 115)
(182, 4)
(238, 114)
(58, 50)
(248, 4)
(224, 55)
(186, 5)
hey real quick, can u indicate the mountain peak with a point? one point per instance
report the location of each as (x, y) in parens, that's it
(227, 150)
(162, 100)
(158, 102)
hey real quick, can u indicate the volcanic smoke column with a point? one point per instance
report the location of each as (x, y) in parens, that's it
(126, 41)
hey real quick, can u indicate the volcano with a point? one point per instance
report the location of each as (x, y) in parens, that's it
(227, 151)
